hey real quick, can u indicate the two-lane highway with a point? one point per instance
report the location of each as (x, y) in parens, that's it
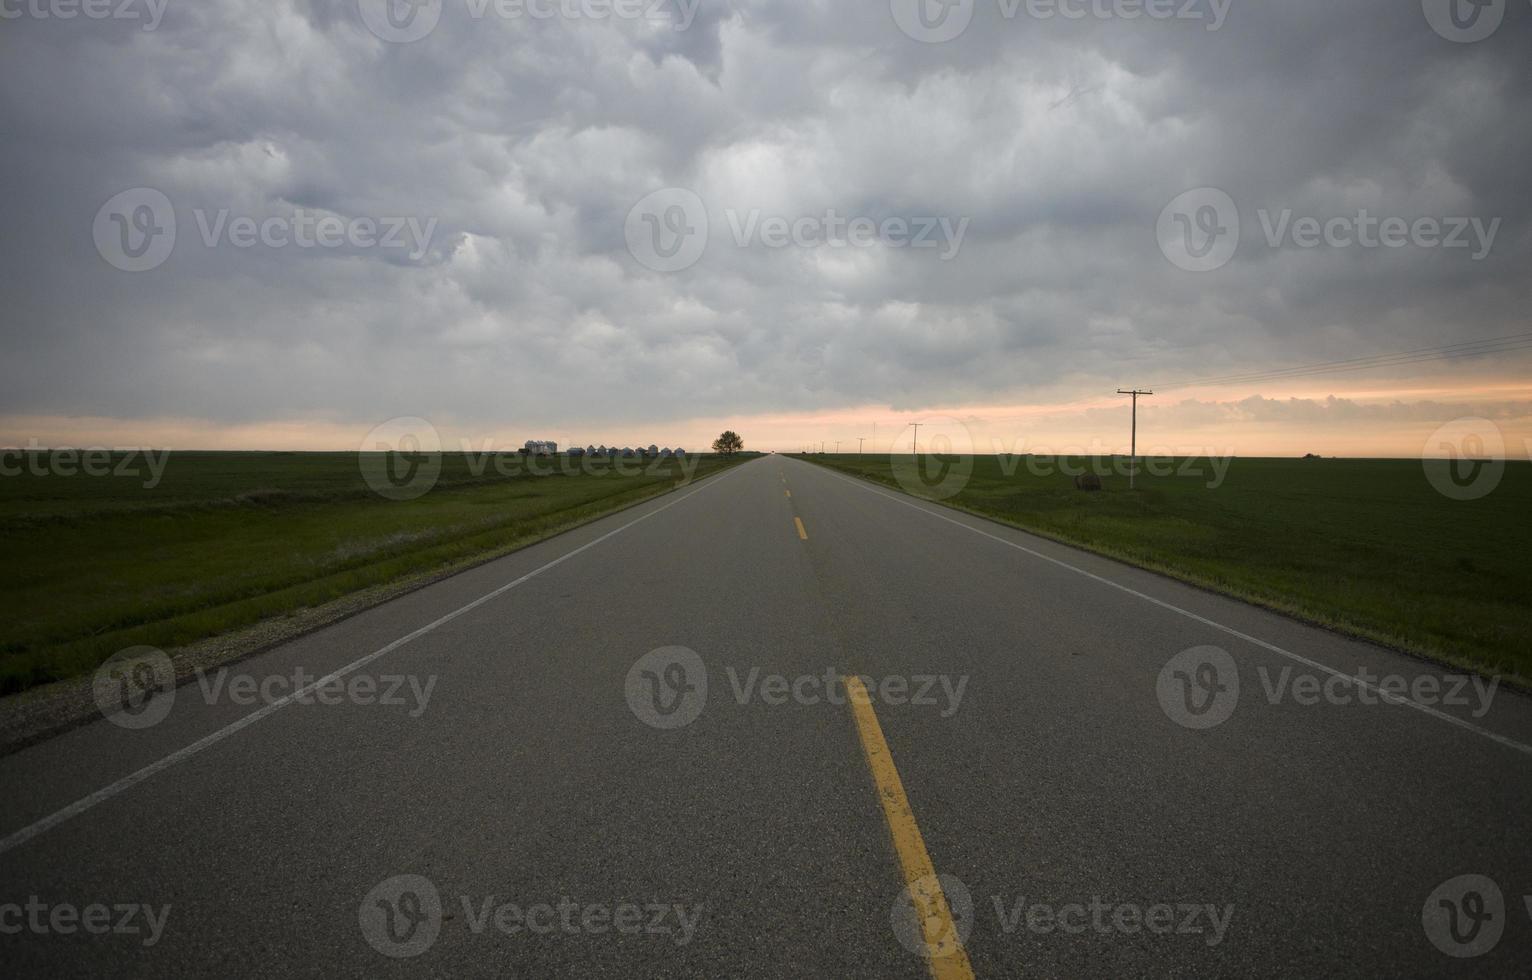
(629, 751)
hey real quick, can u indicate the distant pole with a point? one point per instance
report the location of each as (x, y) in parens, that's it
(837, 447)
(1133, 464)
(915, 440)
(859, 441)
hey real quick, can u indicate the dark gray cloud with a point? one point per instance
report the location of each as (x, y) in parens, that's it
(527, 141)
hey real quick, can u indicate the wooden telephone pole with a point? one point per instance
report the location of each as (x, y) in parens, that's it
(1133, 465)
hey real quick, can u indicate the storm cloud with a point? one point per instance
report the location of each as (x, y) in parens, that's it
(511, 142)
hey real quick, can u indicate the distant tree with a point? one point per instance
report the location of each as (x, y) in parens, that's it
(728, 444)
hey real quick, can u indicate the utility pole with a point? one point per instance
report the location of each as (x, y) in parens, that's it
(1133, 465)
(915, 441)
(837, 447)
(859, 441)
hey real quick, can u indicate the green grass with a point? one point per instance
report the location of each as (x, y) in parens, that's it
(95, 564)
(1364, 546)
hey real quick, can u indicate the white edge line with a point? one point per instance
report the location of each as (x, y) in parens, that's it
(1357, 681)
(181, 755)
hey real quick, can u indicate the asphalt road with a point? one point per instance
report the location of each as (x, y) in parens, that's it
(1096, 801)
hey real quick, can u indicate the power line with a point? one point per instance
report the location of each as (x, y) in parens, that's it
(1478, 348)
(1368, 363)
(1345, 368)
(1472, 349)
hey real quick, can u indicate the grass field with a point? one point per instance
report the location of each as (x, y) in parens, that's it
(1365, 546)
(98, 563)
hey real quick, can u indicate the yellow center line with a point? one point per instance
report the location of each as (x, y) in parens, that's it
(789, 494)
(944, 947)
(802, 531)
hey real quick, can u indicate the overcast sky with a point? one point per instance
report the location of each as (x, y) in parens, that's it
(496, 259)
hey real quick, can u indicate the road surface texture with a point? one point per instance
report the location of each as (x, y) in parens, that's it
(553, 798)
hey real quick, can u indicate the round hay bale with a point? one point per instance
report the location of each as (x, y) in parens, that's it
(1089, 482)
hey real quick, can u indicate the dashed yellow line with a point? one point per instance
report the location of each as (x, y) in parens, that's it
(802, 531)
(789, 494)
(944, 947)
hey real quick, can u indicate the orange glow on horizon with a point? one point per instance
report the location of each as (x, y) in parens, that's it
(1390, 418)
